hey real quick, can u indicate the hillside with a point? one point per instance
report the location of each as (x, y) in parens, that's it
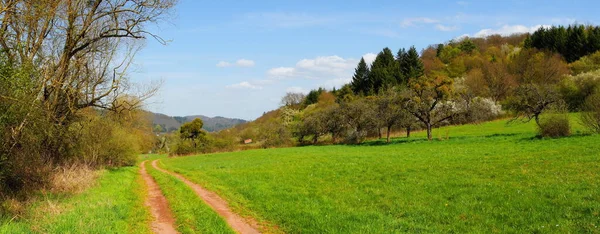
(211, 124)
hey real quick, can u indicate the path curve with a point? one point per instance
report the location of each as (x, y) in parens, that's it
(159, 207)
(217, 203)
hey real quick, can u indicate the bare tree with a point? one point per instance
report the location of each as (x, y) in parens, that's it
(292, 99)
(80, 51)
(82, 48)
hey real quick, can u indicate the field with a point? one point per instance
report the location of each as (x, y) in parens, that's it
(491, 177)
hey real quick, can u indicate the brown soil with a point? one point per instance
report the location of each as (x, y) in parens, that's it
(159, 207)
(238, 223)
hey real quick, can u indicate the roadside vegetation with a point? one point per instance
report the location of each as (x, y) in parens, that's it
(66, 101)
(114, 203)
(491, 177)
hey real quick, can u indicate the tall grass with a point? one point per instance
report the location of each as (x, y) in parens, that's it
(115, 204)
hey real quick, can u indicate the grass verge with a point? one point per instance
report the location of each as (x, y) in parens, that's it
(192, 215)
(114, 205)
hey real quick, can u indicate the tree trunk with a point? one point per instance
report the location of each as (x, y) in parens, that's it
(389, 128)
(429, 131)
(408, 132)
(379, 131)
(315, 139)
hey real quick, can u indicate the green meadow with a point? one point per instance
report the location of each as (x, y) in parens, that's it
(490, 177)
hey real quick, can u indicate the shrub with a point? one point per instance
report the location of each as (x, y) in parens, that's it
(591, 115)
(555, 125)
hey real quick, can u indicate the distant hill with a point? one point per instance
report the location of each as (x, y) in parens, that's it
(211, 124)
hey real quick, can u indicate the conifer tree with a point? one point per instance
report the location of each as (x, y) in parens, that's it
(382, 71)
(413, 67)
(360, 83)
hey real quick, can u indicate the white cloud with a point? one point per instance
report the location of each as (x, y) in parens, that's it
(415, 21)
(281, 72)
(508, 30)
(369, 58)
(322, 67)
(223, 64)
(332, 64)
(239, 63)
(244, 85)
(444, 28)
(462, 3)
(245, 63)
(296, 89)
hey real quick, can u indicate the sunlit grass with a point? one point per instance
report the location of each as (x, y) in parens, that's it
(490, 177)
(114, 205)
(192, 215)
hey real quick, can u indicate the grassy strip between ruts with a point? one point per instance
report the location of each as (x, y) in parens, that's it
(491, 177)
(114, 205)
(191, 213)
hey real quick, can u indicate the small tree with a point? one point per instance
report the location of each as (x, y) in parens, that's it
(591, 115)
(531, 100)
(359, 115)
(389, 111)
(428, 100)
(192, 131)
(333, 119)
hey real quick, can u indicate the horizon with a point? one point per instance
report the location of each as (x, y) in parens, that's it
(236, 60)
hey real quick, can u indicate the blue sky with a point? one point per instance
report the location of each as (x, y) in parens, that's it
(238, 58)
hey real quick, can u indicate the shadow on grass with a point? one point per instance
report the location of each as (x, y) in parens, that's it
(404, 140)
(540, 138)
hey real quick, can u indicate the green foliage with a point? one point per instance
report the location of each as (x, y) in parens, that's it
(313, 96)
(572, 42)
(360, 81)
(485, 178)
(192, 131)
(576, 89)
(410, 64)
(384, 72)
(467, 46)
(585, 64)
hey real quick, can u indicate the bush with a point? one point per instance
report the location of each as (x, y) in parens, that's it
(555, 125)
(591, 115)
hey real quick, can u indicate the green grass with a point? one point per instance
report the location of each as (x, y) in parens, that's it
(114, 205)
(491, 177)
(192, 215)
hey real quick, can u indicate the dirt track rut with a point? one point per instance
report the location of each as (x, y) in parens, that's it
(236, 222)
(159, 207)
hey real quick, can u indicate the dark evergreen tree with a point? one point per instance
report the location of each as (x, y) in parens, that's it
(383, 71)
(313, 96)
(402, 61)
(413, 67)
(572, 42)
(360, 83)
